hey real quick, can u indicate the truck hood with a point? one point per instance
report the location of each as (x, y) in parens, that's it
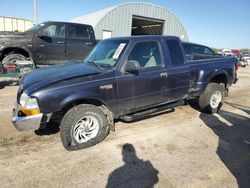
(43, 77)
(13, 38)
(9, 34)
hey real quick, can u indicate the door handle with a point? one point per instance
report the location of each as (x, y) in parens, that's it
(60, 42)
(88, 43)
(164, 74)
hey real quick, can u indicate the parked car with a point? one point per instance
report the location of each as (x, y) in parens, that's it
(197, 51)
(227, 52)
(122, 78)
(47, 43)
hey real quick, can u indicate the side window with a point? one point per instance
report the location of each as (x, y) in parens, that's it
(55, 30)
(147, 54)
(175, 52)
(78, 31)
(208, 51)
(188, 51)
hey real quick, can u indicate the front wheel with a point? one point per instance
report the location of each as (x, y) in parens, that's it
(83, 126)
(12, 59)
(212, 99)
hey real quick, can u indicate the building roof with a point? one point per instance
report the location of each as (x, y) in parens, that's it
(119, 19)
(93, 18)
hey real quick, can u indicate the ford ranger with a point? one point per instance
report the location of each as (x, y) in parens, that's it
(122, 78)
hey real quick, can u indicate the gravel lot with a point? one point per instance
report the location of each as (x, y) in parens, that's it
(178, 148)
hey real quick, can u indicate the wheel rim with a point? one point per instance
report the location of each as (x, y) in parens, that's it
(216, 99)
(85, 129)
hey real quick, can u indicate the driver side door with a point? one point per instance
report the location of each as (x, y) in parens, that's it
(143, 88)
(50, 44)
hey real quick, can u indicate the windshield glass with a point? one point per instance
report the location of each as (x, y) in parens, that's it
(35, 27)
(107, 53)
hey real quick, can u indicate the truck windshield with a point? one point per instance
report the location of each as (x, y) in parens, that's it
(35, 27)
(107, 53)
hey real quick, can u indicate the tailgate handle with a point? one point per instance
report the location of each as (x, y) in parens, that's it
(164, 74)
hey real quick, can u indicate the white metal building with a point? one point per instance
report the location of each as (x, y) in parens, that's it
(133, 19)
(14, 24)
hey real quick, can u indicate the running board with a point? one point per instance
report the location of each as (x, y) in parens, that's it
(141, 114)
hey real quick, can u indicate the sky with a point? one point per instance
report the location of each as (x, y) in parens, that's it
(215, 23)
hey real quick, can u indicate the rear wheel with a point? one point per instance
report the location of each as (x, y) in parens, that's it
(212, 99)
(83, 126)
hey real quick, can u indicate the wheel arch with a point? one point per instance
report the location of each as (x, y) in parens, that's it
(19, 50)
(220, 78)
(96, 102)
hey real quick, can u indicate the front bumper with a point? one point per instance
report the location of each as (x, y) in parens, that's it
(26, 123)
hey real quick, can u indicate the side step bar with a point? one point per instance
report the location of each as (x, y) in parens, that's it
(141, 114)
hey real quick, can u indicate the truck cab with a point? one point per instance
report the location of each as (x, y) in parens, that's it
(48, 43)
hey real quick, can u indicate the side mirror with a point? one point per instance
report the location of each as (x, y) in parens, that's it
(43, 34)
(132, 66)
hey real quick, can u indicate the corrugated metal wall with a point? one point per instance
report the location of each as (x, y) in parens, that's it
(14, 24)
(119, 20)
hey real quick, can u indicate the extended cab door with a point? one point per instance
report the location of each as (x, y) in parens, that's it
(80, 41)
(143, 88)
(49, 44)
(178, 72)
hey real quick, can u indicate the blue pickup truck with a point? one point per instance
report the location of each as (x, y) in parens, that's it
(122, 78)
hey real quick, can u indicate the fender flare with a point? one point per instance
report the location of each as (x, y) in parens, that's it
(18, 47)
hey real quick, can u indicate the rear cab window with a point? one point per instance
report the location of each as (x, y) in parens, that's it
(175, 52)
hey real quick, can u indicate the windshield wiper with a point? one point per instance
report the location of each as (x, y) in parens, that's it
(92, 62)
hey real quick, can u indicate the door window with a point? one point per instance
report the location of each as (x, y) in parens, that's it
(147, 54)
(175, 52)
(78, 31)
(55, 30)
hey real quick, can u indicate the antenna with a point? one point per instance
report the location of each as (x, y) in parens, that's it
(35, 12)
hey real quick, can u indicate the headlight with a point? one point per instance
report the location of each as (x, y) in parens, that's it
(28, 105)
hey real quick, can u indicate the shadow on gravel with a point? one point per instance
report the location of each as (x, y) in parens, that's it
(234, 143)
(4, 83)
(48, 129)
(194, 103)
(134, 173)
(240, 107)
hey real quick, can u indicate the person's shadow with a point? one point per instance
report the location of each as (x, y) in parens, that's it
(234, 143)
(134, 173)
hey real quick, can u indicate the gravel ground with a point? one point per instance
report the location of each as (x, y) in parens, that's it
(179, 148)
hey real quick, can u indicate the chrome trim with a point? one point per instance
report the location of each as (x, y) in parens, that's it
(26, 123)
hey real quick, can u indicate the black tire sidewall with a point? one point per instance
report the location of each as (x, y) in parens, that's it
(73, 116)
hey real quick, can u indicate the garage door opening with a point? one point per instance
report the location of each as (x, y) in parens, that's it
(146, 26)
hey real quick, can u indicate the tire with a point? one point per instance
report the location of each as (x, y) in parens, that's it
(83, 126)
(12, 58)
(212, 98)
